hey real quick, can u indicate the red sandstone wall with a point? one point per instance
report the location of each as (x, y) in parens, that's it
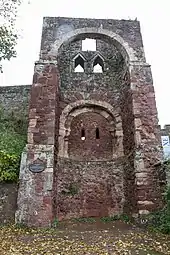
(92, 147)
(69, 188)
(89, 189)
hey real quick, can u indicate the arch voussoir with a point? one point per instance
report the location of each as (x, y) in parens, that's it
(126, 51)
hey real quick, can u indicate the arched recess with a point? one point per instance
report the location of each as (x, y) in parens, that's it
(104, 109)
(92, 135)
(126, 51)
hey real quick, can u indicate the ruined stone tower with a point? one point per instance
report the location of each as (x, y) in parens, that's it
(93, 135)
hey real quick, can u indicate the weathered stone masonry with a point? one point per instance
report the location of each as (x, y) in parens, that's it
(14, 97)
(97, 134)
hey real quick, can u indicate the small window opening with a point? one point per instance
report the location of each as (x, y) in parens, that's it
(89, 45)
(83, 134)
(98, 65)
(97, 133)
(79, 65)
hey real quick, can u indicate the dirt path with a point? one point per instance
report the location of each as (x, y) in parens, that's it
(85, 238)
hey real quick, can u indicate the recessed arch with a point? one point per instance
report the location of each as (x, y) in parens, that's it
(126, 51)
(78, 104)
(105, 109)
(89, 146)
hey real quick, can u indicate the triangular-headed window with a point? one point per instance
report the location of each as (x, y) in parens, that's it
(79, 64)
(98, 65)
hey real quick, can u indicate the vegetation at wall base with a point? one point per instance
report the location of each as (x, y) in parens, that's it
(9, 167)
(160, 221)
(122, 217)
(85, 220)
(13, 130)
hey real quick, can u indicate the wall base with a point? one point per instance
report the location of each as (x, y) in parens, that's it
(35, 196)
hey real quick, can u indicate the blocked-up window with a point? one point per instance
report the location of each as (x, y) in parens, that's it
(98, 65)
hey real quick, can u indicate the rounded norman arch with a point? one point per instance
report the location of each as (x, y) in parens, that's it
(72, 110)
(126, 51)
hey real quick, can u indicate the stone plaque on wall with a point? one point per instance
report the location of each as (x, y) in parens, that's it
(37, 166)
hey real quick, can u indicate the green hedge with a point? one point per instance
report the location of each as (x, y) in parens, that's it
(9, 167)
(13, 130)
(161, 219)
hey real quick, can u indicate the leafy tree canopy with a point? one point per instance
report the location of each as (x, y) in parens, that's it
(8, 34)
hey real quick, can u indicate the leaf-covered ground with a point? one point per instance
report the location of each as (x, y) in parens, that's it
(83, 239)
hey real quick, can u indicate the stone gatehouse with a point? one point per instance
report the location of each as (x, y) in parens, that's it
(93, 135)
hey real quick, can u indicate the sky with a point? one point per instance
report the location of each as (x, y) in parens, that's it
(154, 17)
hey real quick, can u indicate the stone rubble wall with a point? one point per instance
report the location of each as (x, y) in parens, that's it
(89, 189)
(8, 202)
(14, 97)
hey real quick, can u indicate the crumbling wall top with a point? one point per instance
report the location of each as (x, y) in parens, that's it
(124, 33)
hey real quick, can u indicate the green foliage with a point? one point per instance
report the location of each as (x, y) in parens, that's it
(110, 219)
(21, 226)
(122, 217)
(13, 130)
(160, 221)
(125, 218)
(7, 43)
(107, 219)
(9, 167)
(8, 34)
(166, 165)
(55, 223)
(71, 190)
(85, 220)
(12, 142)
